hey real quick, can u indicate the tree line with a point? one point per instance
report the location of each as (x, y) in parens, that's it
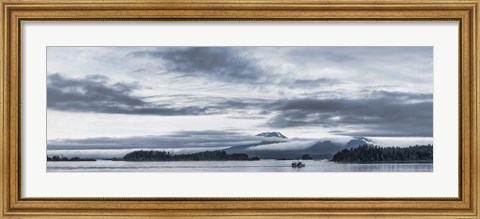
(373, 154)
(62, 158)
(217, 155)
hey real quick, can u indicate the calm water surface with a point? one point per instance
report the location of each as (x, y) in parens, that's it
(230, 166)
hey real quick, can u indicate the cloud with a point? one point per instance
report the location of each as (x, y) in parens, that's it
(380, 114)
(180, 139)
(363, 56)
(400, 96)
(369, 64)
(310, 83)
(111, 153)
(285, 146)
(226, 64)
(95, 93)
(219, 63)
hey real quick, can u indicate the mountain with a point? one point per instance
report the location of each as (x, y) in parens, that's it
(357, 142)
(324, 147)
(293, 148)
(272, 134)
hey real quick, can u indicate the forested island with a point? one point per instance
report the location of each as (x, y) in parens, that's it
(376, 154)
(217, 155)
(62, 158)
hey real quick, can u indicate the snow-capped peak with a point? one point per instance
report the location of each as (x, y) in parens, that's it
(272, 134)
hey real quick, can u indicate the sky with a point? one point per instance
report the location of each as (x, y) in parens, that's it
(206, 96)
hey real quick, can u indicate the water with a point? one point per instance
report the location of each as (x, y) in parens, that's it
(231, 166)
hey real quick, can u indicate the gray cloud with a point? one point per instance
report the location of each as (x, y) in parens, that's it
(307, 83)
(220, 63)
(367, 54)
(226, 64)
(95, 93)
(382, 114)
(379, 113)
(412, 64)
(181, 139)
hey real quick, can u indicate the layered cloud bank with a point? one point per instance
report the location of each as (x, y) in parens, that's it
(191, 142)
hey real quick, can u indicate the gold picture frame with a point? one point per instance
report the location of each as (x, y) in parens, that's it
(15, 12)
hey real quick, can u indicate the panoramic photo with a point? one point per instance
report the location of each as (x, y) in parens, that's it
(240, 109)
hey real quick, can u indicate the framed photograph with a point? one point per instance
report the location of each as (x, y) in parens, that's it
(228, 109)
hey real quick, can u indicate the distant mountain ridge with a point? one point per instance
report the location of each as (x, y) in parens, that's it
(272, 134)
(322, 149)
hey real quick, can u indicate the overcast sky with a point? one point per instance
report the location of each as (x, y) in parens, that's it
(303, 92)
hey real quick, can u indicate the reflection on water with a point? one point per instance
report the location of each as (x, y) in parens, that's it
(231, 166)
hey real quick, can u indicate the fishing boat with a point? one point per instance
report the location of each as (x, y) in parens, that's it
(297, 164)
